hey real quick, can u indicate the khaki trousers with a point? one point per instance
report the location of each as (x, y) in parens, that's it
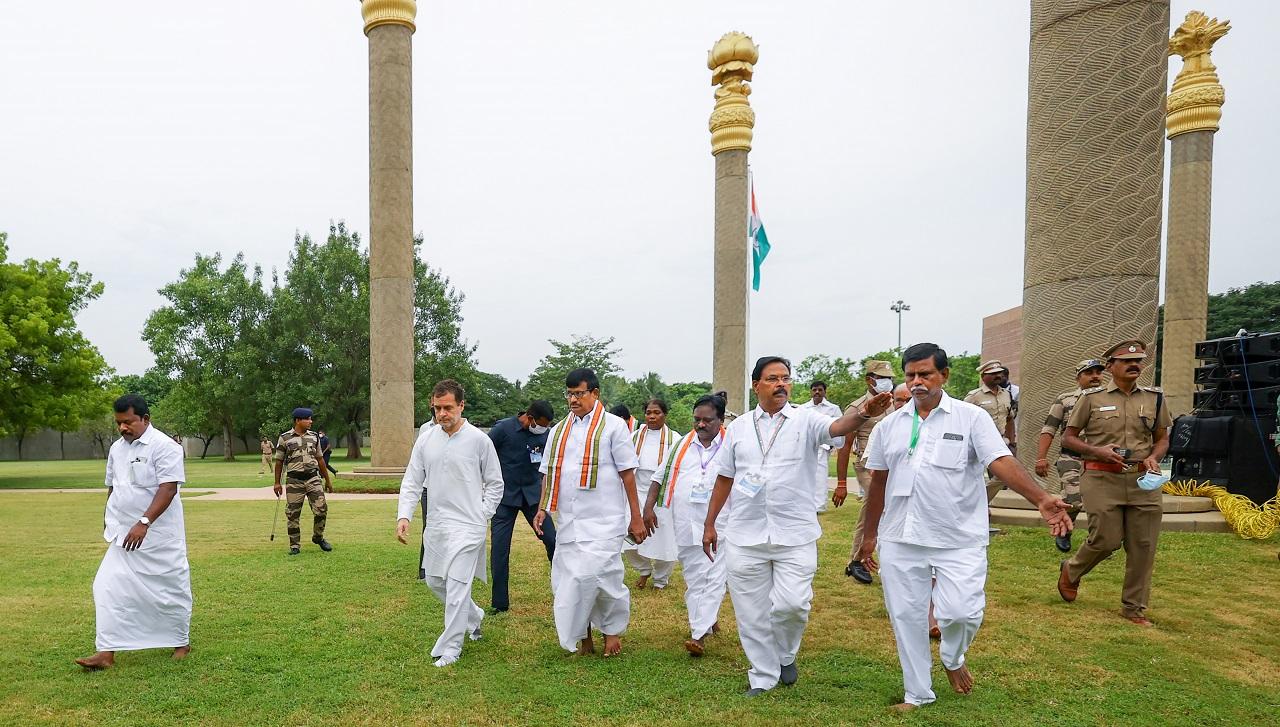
(1120, 514)
(864, 481)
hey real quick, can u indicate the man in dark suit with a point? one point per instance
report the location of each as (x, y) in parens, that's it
(520, 441)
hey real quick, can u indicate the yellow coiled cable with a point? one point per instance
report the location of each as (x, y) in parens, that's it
(1246, 519)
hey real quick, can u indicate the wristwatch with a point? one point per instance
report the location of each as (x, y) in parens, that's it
(145, 520)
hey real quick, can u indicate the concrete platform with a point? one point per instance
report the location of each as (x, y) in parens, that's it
(1181, 514)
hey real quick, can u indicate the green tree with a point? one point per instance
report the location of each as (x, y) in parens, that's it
(153, 385)
(964, 374)
(491, 397)
(681, 398)
(184, 412)
(1255, 308)
(209, 338)
(50, 375)
(547, 380)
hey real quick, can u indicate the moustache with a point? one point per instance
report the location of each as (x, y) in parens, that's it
(919, 390)
(780, 390)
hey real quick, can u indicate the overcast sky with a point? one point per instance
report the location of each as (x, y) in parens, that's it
(564, 144)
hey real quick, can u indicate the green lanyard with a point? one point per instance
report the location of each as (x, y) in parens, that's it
(915, 432)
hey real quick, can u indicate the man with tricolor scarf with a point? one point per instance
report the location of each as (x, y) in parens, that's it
(770, 542)
(682, 487)
(589, 479)
(656, 558)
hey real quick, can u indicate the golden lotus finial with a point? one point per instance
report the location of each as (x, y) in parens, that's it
(1195, 102)
(732, 62)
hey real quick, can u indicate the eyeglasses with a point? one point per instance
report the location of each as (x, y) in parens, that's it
(772, 380)
(575, 394)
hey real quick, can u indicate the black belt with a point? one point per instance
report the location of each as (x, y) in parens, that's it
(1072, 453)
(304, 476)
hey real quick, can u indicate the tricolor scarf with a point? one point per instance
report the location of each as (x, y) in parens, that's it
(667, 435)
(672, 472)
(590, 455)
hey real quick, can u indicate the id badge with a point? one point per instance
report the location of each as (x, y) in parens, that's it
(535, 455)
(700, 495)
(750, 484)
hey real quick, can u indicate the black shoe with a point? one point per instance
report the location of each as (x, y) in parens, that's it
(422, 574)
(324, 544)
(1063, 542)
(755, 692)
(294, 550)
(858, 572)
(788, 674)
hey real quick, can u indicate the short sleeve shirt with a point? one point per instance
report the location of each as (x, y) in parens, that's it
(300, 453)
(1108, 417)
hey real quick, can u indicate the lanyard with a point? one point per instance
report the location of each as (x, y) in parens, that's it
(764, 451)
(711, 454)
(915, 432)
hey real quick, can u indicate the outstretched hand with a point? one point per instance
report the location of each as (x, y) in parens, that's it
(877, 404)
(1057, 513)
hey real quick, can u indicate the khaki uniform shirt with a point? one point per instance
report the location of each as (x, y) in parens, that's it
(300, 452)
(1107, 417)
(1056, 423)
(863, 433)
(998, 404)
(267, 449)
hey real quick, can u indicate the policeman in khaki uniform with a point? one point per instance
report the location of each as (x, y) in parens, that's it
(1069, 465)
(998, 402)
(879, 378)
(1122, 431)
(298, 452)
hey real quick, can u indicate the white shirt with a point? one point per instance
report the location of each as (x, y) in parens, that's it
(460, 474)
(697, 472)
(135, 471)
(602, 512)
(827, 408)
(937, 497)
(782, 512)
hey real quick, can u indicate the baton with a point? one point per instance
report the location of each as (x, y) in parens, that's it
(275, 518)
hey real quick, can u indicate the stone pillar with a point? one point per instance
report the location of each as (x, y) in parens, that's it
(1095, 157)
(389, 26)
(731, 61)
(1194, 109)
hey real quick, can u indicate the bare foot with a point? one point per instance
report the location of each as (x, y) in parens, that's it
(904, 707)
(640, 584)
(181, 652)
(586, 647)
(100, 660)
(612, 645)
(961, 680)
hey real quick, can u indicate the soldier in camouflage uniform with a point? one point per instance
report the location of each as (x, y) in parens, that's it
(298, 452)
(1069, 464)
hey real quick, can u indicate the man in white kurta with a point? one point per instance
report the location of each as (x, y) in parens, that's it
(819, 403)
(682, 487)
(770, 540)
(928, 461)
(656, 556)
(589, 479)
(142, 593)
(457, 467)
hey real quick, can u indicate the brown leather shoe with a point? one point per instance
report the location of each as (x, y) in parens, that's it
(694, 647)
(1142, 621)
(1067, 588)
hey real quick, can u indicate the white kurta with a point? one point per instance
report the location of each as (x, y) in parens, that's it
(822, 472)
(771, 536)
(661, 545)
(463, 482)
(934, 526)
(586, 571)
(142, 597)
(705, 580)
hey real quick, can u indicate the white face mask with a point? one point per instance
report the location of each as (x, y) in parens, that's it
(535, 429)
(884, 386)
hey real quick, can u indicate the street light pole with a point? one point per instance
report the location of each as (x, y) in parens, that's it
(898, 307)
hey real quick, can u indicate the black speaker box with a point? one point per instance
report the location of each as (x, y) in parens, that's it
(1236, 452)
(1239, 376)
(1196, 435)
(1251, 347)
(1260, 400)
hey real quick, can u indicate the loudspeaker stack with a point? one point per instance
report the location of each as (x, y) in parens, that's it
(1230, 438)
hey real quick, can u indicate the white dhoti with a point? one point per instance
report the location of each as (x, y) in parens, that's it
(822, 476)
(142, 598)
(588, 591)
(907, 572)
(453, 557)
(657, 555)
(772, 589)
(705, 583)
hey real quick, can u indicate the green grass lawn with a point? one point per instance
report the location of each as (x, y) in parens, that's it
(342, 638)
(210, 472)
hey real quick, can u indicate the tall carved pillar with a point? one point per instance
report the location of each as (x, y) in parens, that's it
(389, 26)
(1194, 109)
(1095, 156)
(731, 60)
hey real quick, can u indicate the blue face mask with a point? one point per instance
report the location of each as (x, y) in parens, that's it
(1152, 481)
(535, 429)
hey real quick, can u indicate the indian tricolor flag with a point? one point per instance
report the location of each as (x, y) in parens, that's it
(759, 240)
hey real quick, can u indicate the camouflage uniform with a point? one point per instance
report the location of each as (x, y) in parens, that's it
(302, 462)
(1069, 464)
